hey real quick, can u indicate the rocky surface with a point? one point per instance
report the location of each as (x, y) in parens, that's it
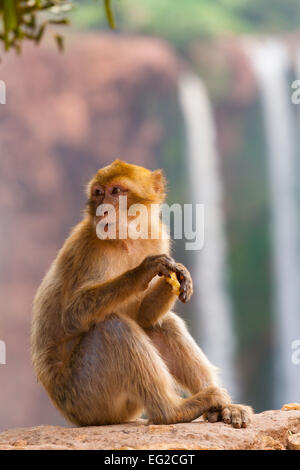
(271, 430)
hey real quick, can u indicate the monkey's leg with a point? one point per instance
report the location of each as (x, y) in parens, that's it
(117, 371)
(190, 367)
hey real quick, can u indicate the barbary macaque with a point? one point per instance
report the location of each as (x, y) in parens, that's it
(105, 344)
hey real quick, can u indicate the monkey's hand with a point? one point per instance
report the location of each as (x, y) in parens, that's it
(185, 281)
(161, 296)
(156, 265)
(162, 265)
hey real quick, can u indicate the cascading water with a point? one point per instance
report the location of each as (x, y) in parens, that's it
(209, 262)
(271, 65)
(297, 104)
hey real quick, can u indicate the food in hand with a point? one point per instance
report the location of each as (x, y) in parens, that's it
(173, 281)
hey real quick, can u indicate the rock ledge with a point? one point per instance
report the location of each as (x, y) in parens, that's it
(271, 430)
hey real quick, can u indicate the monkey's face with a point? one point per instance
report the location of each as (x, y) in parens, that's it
(122, 193)
(107, 200)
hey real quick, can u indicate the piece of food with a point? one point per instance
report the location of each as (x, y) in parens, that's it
(291, 406)
(173, 281)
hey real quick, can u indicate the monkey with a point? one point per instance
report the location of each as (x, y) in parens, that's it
(105, 343)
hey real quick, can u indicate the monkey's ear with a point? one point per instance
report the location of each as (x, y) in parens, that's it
(159, 182)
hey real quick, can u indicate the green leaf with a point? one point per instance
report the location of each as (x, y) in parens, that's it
(10, 19)
(10, 15)
(109, 14)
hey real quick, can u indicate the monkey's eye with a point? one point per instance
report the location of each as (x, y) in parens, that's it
(98, 191)
(117, 190)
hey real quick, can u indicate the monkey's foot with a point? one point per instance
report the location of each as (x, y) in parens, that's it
(237, 415)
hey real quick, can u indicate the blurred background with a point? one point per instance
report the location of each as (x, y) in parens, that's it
(204, 90)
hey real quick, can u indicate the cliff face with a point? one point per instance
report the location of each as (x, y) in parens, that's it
(66, 116)
(271, 430)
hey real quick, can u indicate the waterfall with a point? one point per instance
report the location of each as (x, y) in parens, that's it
(215, 328)
(271, 63)
(297, 77)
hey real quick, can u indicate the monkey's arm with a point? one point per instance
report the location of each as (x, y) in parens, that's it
(91, 303)
(161, 297)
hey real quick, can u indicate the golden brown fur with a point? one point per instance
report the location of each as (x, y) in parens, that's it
(105, 343)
